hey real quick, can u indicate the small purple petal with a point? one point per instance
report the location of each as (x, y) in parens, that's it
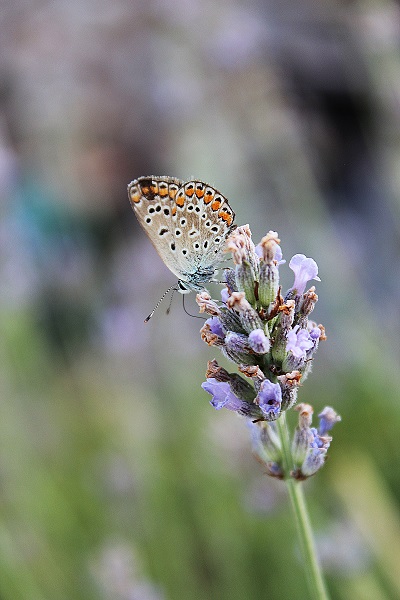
(259, 342)
(315, 441)
(224, 295)
(298, 342)
(314, 461)
(315, 333)
(222, 395)
(279, 255)
(327, 419)
(215, 326)
(304, 270)
(269, 398)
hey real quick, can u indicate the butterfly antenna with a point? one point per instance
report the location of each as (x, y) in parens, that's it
(174, 288)
(189, 314)
(170, 302)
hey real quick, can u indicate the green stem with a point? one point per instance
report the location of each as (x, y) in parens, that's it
(313, 570)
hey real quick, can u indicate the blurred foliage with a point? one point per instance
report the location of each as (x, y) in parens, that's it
(117, 479)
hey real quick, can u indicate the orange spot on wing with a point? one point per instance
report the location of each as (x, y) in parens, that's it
(145, 190)
(135, 195)
(225, 216)
(173, 211)
(163, 191)
(172, 192)
(216, 204)
(154, 187)
(180, 201)
(189, 190)
(199, 192)
(208, 196)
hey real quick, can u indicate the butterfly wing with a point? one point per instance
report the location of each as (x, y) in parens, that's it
(153, 201)
(208, 220)
(188, 223)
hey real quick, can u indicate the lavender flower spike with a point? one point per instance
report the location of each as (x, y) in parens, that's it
(304, 270)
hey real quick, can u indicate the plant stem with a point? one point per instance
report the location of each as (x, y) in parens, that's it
(314, 575)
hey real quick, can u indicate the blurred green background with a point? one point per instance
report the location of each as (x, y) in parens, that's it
(117, 479)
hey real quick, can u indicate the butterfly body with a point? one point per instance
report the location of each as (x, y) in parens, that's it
(188, 224)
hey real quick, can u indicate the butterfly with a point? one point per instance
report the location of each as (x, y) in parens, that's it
(188, 223)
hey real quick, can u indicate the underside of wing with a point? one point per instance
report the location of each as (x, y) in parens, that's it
(188, 223)
(153, 201)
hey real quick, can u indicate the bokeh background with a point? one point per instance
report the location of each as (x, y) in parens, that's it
(118, 480)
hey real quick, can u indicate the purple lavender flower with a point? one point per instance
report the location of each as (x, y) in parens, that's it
(222, 395)
(317, 441)
(304, 270)
(299, 341)
(327, 419)
(269, 399)
(258, 341)
(224, 295)
(215, 326)
(315, 333)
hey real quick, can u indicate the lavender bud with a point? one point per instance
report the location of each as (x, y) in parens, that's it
(249, 318)
(302, 436)
(258, 341)
(246, 282)
(278, 349)
(289, 385)
(206, 304)
(230, 279)
(239, 386)
(230, 321)
(266, 443)
(268, 285)
(237, 348)
(268, 250)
